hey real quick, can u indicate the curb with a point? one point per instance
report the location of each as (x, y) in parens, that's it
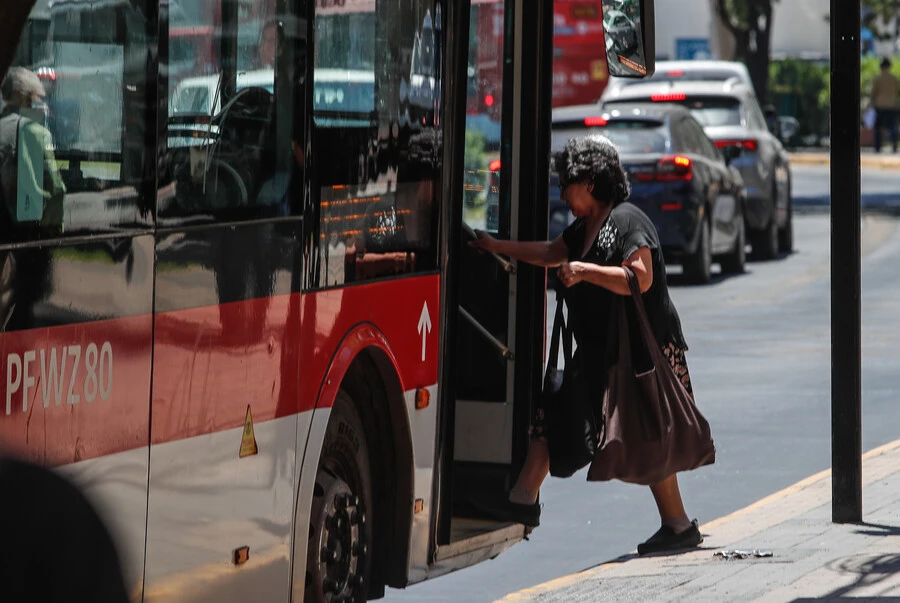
(885, 162)
(527, 594)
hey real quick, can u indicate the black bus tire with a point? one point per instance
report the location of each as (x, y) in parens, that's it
(338, 560)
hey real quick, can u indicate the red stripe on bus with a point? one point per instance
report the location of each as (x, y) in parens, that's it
(75, 392)
(208, 365)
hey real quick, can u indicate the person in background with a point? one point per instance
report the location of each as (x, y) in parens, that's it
(268, 45)
(884, 100)
(31, 188)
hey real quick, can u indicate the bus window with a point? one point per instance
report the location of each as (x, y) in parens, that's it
(235, 78)
(482, 373)
(72, 128)
(375, 145)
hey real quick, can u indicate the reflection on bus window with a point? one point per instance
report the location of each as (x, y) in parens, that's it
(230, 154)
(32, 191)
(375, 141)
(73, 137)
(484, 102)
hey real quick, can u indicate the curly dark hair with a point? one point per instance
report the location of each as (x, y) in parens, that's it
(593, 159)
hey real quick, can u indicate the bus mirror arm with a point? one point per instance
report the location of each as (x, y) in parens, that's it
(506, 264)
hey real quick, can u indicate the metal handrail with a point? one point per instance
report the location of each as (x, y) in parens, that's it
(506, 264)
(504, 351)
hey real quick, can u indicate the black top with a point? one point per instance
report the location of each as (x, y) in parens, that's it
(591, 307)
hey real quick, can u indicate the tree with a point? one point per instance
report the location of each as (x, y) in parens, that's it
(750, 22)
(13, 16)
(882, 18)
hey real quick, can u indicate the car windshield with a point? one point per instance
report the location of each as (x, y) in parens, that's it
(690, 75)
(715, 111)
(630, 136)
(710, 111)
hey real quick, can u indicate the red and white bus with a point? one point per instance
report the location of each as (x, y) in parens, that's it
(250, 326)
(257, 337)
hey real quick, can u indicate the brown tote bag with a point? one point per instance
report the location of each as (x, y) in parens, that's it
(652, 426)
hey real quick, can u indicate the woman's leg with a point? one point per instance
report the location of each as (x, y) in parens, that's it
(666, 492)
(670, 505)
(536, 468)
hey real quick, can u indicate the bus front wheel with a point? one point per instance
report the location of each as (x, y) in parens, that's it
(338, 560)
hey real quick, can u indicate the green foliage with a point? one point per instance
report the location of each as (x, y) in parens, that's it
(881, 15)
(475, 165)
(739, 10)
(475, 149)
(802, 89)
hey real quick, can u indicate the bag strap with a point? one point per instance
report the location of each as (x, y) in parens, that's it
(562, 331)
(656, 355)
(556, 333)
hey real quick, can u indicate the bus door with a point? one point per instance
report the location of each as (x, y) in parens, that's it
(485, 421)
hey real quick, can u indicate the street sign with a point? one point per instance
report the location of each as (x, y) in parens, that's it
(692, 49)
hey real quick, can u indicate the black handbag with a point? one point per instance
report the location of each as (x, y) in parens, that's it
(569, 423)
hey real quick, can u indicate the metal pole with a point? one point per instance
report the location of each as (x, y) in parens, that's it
(846, 348)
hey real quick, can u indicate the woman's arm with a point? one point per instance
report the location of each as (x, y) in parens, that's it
(611, 277)
(539, 253)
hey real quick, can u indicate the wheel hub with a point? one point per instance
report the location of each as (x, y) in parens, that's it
(337, 548)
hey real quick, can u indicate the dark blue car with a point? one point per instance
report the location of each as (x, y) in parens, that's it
(679, 178)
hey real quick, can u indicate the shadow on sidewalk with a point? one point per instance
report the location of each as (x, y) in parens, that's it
(870, 569)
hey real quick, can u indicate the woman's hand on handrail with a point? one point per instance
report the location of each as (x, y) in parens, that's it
(540, 253)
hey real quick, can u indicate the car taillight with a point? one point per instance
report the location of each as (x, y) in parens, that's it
(668, 97)
(747, 145)
(671, 168)
(595, 121)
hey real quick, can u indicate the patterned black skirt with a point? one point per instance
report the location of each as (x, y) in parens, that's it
(675, 356)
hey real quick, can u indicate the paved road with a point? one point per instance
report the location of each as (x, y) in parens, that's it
(811, 184)
(760, 361)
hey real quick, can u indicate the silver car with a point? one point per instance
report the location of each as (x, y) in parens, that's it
(685, 71)
(731, 116)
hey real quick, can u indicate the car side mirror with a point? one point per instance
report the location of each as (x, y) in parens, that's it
(788, 127)
(630, 35)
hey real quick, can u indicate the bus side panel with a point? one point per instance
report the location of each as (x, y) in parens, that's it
(405, 310)
(225, 414)
(75, 359)
(401, 318)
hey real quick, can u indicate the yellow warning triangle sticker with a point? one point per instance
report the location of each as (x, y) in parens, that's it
(248, 439)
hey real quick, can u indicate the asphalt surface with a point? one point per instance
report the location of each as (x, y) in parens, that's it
(760, 362)
(811, 183)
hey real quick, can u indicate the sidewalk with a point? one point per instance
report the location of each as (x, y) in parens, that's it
(868, 159)
(813, 558)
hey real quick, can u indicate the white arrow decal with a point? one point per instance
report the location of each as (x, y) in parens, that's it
(424, 327)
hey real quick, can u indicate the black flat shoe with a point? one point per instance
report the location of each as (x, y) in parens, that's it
(529, 515)
(666, 540)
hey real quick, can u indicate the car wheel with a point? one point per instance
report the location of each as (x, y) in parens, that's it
(765, 241)
(786, 234)
(338, 560)
(736, 261)
(698, 267)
